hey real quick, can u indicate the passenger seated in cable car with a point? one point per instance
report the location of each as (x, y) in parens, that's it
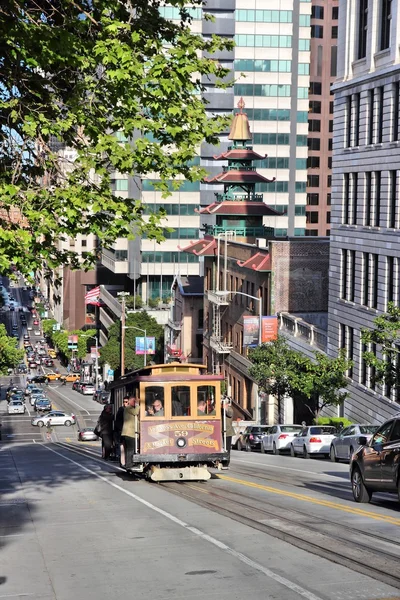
(149, 410)
(202, 409)
(158, 408)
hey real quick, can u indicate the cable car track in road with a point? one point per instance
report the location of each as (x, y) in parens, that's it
(304, 536)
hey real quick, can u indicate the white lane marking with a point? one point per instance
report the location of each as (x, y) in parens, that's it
(249, 462)
(20, 595)
(208, 538)
(69, 400)
(27, 407)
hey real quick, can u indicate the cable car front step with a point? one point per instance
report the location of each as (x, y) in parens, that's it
(179, 474)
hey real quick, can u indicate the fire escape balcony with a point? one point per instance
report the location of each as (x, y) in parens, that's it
(219, 298)
(175, 325)
(220, 346)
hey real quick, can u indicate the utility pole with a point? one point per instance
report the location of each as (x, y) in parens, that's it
(123, 315)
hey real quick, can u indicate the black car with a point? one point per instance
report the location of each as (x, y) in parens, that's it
(251, 438)
(22, 368)
(375, 466)
(38, 379)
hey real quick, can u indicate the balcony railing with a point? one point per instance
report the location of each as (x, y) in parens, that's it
(296, 327)
(240, 231)
(116, 266)
(217, 298)
(238, 198)
(220, 345)
(226, 169)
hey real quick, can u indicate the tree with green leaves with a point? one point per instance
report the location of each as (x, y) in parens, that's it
(385, 338)
(92, 91)
(281, 371)
(60, 339)
(10, 356)
(110, 353)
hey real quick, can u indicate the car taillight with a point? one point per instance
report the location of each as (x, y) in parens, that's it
(283, 436)
(251, 437)
(315, 440)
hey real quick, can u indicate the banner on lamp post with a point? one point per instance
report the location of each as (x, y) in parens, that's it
(251, 331)
(72, 342)
(269, 329)
(145, 345)
(94, 352)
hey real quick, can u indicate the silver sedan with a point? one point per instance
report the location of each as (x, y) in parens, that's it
(343, 446)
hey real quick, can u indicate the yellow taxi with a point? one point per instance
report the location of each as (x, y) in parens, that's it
(52, 353)
(53, 376)
(70, 377)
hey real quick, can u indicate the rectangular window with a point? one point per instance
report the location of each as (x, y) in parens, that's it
(313, 162)
(395, 111)
(345, 273)
(329, 181)
(350, 348)
(390, 279)
(329, 162)
(362, 28)
(377, 198)
(380, 115)
(312, 199)
(393, 197)
(328, 199)
(313, 181)
(314, 125)
(366, 280)
(371, 113)
(330, 145)
(317, 31)
(314, 144)
(315, 106)
(121, 185)
(356, 102)
(330, 126)
(375, 277)
(352, 275)
(346, 199)
(315, 88)
(386, 17)
(363, 365)
(313, 217)
(317, 12)
(348, 121)
(331, 108)
(333, 61)
(368, 202)
(335, 13)
(334, 32)
(354, 198)
(328, 217)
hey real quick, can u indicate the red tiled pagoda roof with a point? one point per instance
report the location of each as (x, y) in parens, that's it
(236, 176)
(257, 262)
(240, 154)
(239, 208)
(207, 246)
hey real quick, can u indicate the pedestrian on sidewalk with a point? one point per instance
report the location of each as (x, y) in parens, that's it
(49, 430)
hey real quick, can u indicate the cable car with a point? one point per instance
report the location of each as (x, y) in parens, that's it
(180, 433)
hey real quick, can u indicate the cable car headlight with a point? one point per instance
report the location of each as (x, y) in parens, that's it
(181, 442)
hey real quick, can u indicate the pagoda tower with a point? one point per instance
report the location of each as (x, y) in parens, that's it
(239, 209)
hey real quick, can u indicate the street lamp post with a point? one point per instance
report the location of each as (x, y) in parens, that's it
(123, 295)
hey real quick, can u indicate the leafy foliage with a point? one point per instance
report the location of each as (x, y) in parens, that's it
(120, 88)
(385, 337)
(10, 356)
(279, 370)
(110, 353)
(60, 339)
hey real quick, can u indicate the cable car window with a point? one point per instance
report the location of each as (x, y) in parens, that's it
(154, 401)
(205, 400)
(180, 395)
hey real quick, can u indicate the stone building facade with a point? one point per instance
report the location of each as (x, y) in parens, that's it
(365, 243)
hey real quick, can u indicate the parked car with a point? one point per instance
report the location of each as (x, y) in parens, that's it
(77, 385)
(57, 418)
(43, 405)
(102, 396)
(87, 389)
(279, 438)
(316, 439)
(87, 435)
(16, 407)
(343, 446)
(374, 466)
(251, 438)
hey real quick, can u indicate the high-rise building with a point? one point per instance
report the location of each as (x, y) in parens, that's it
(324, 33)
(271, 66)
(365, 246)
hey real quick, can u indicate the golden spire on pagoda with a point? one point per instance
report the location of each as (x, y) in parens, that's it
(240, 128)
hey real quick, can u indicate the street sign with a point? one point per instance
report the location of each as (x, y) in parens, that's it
(72, 342)
(110, 372)
(94, 352)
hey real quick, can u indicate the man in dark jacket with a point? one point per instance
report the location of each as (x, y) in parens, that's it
(105, 429)
(118, 424)
(227, 418)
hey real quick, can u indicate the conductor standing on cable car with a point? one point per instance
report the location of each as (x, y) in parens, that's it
(228, 414)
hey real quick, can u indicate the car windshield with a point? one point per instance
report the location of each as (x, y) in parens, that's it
(322, 430)
(368, 429)
(291, 428)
